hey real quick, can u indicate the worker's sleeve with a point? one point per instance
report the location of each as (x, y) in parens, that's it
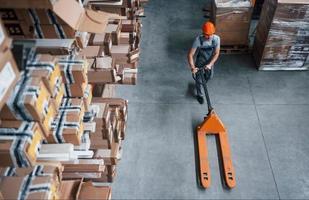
(217, 42)
(196, 44)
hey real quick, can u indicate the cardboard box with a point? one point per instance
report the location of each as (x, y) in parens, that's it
(29, 100)
(74, 108)
(124, 38)
(110, 156)
(120, 52)
(19, 30)
(58, 93)
(24, 138)
(87, 98)
(54, 171)
(88, 191)
(70, 189)
(128, 26)
(73, 69)
(108, 44)
(118, 102)
(96, 39)
(78, 18)
(55, 46)
(84, 165)
(45, 66)
(109, 91)
(54, 31)
(82, 39)
(102, 71)
(92, 52)
(114, 29)
(102, 118)
(30, 16)
(232, 20)
(99, 143)
(67, 127)
(9, 75)
(75, 90)
(78, 175)
(49, 118)
(5, 41)
(129, 78)
(38, 188)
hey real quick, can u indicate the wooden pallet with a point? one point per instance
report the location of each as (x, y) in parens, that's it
(235, 49)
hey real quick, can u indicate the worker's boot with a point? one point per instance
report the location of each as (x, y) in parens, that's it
(200, 99)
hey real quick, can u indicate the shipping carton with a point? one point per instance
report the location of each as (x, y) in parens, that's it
(78, 18)
(88, 191)
(24, 138)
(5, 41)
(29, 100)
(37, 188)
(9, 75)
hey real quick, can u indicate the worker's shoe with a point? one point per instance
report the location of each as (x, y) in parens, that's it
(200, 99)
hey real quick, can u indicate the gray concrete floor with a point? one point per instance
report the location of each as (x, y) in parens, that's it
(266, 114)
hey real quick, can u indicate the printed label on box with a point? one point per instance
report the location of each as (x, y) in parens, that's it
(2, 36)
(7, 77)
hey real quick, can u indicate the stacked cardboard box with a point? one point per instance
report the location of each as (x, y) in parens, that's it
(119, 43)
(232, 19)
(52, 132)
(281, 41)
(45, 182)
(51, 20)
(9, 73)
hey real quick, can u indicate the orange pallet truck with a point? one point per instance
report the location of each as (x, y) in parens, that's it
(212, 125)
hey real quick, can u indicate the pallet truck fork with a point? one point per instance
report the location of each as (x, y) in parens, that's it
(212, 125)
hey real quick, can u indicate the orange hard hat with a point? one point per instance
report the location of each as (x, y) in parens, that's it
(209, 28)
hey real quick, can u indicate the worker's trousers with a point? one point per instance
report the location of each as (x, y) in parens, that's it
(199, 83)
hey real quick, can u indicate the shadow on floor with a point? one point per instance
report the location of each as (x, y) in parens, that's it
(191, 91)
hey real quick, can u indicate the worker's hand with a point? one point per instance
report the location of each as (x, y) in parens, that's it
(208, 67)
(194, 70)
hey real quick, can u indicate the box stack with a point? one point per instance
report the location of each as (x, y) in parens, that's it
(9, 73)
(281, 41)
(61, 127)
(232, 20)
(119, 43)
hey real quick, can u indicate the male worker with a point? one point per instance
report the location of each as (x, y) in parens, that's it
(207, 48)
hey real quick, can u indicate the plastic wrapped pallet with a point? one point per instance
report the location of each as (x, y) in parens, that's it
(281, 41)
(232, 19)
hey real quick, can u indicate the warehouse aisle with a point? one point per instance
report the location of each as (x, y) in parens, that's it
(266, 114)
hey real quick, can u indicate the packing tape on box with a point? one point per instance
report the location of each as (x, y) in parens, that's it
(59, 29)
(57, 87)
(37, 24)
(87, 92)
(66, 105)
(16, 100)
(67, 90)
(36, 171)
(68, 64)
(20, 138)
(36, 64)
(91, 114)
(27, 187)
(59, 124)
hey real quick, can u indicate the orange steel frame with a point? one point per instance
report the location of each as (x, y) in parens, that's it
(212, 125)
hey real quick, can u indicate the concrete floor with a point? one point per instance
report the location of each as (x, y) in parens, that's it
(266, 114)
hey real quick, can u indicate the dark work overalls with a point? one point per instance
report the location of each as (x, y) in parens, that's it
(203, 57)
